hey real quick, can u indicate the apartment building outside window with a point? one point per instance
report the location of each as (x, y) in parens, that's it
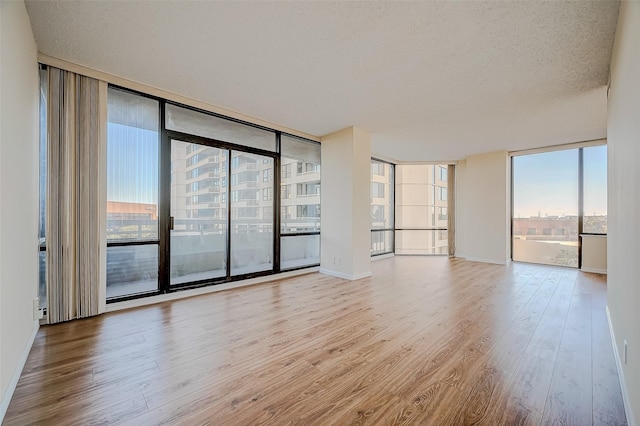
(300, 203)
(421, 209)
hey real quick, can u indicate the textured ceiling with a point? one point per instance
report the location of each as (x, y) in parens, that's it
(428, 80)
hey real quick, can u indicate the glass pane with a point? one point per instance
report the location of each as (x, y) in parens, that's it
(421, 242)
(199, 209)
(132, 167)
(595, 190)
(44, 87)
(300, 250)
(208, 126)
(42, 183)
(381, 195)
(132, 270)
(421, 196)
(251, 213)
(421, 208)
(545, 208)
(381, 242)
(299, 186)
(42, 278)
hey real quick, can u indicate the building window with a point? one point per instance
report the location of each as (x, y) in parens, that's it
(443, 173)
(595, 190)
(442, 193)
(300, 210)
(378, 168)
(377, 189)
(382, 207)
(547, 203)
(308, 211)
(286, 171)
(442, 214)
(421, 222)
(285, 192)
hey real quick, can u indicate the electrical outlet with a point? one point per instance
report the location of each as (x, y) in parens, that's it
(37, 313)
(333, 260)
(625, 352)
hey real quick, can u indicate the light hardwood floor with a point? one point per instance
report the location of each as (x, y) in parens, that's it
(426, 340)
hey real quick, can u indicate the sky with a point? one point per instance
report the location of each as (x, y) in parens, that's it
(132, 164)
(546, 184)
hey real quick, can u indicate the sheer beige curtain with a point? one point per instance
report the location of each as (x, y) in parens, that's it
(451, 208)
(73, 230)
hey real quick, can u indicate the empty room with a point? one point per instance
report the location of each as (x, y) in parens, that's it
(319, 212)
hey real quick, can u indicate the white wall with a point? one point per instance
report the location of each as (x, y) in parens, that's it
(623, 242)
(594, 253)
(483, 208)
(18, 192)
(346, 204)
(461, 208)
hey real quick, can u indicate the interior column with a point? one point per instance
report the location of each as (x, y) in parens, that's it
(346, 204)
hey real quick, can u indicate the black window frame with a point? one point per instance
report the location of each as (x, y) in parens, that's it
(392, 190)
(164, 188)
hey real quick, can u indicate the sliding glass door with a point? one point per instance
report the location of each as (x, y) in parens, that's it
(198, 213)
(194, 198)
(221, 215)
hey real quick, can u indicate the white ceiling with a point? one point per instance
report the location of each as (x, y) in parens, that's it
(429, 80)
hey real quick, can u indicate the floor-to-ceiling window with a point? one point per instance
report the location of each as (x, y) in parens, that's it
(421, 209)
(133, 147)
(557, 196)
(42, 183)
(382, 207)
(192, 198)
(299, 203)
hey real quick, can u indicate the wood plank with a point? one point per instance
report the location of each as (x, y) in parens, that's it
(569, 401)
(528, 388)
(423, 341)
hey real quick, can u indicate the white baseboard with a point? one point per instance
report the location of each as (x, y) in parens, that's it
(483, 260)
(382, 256)
(623, 385)
(345, 276)
(11, 388)
(594, 270)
